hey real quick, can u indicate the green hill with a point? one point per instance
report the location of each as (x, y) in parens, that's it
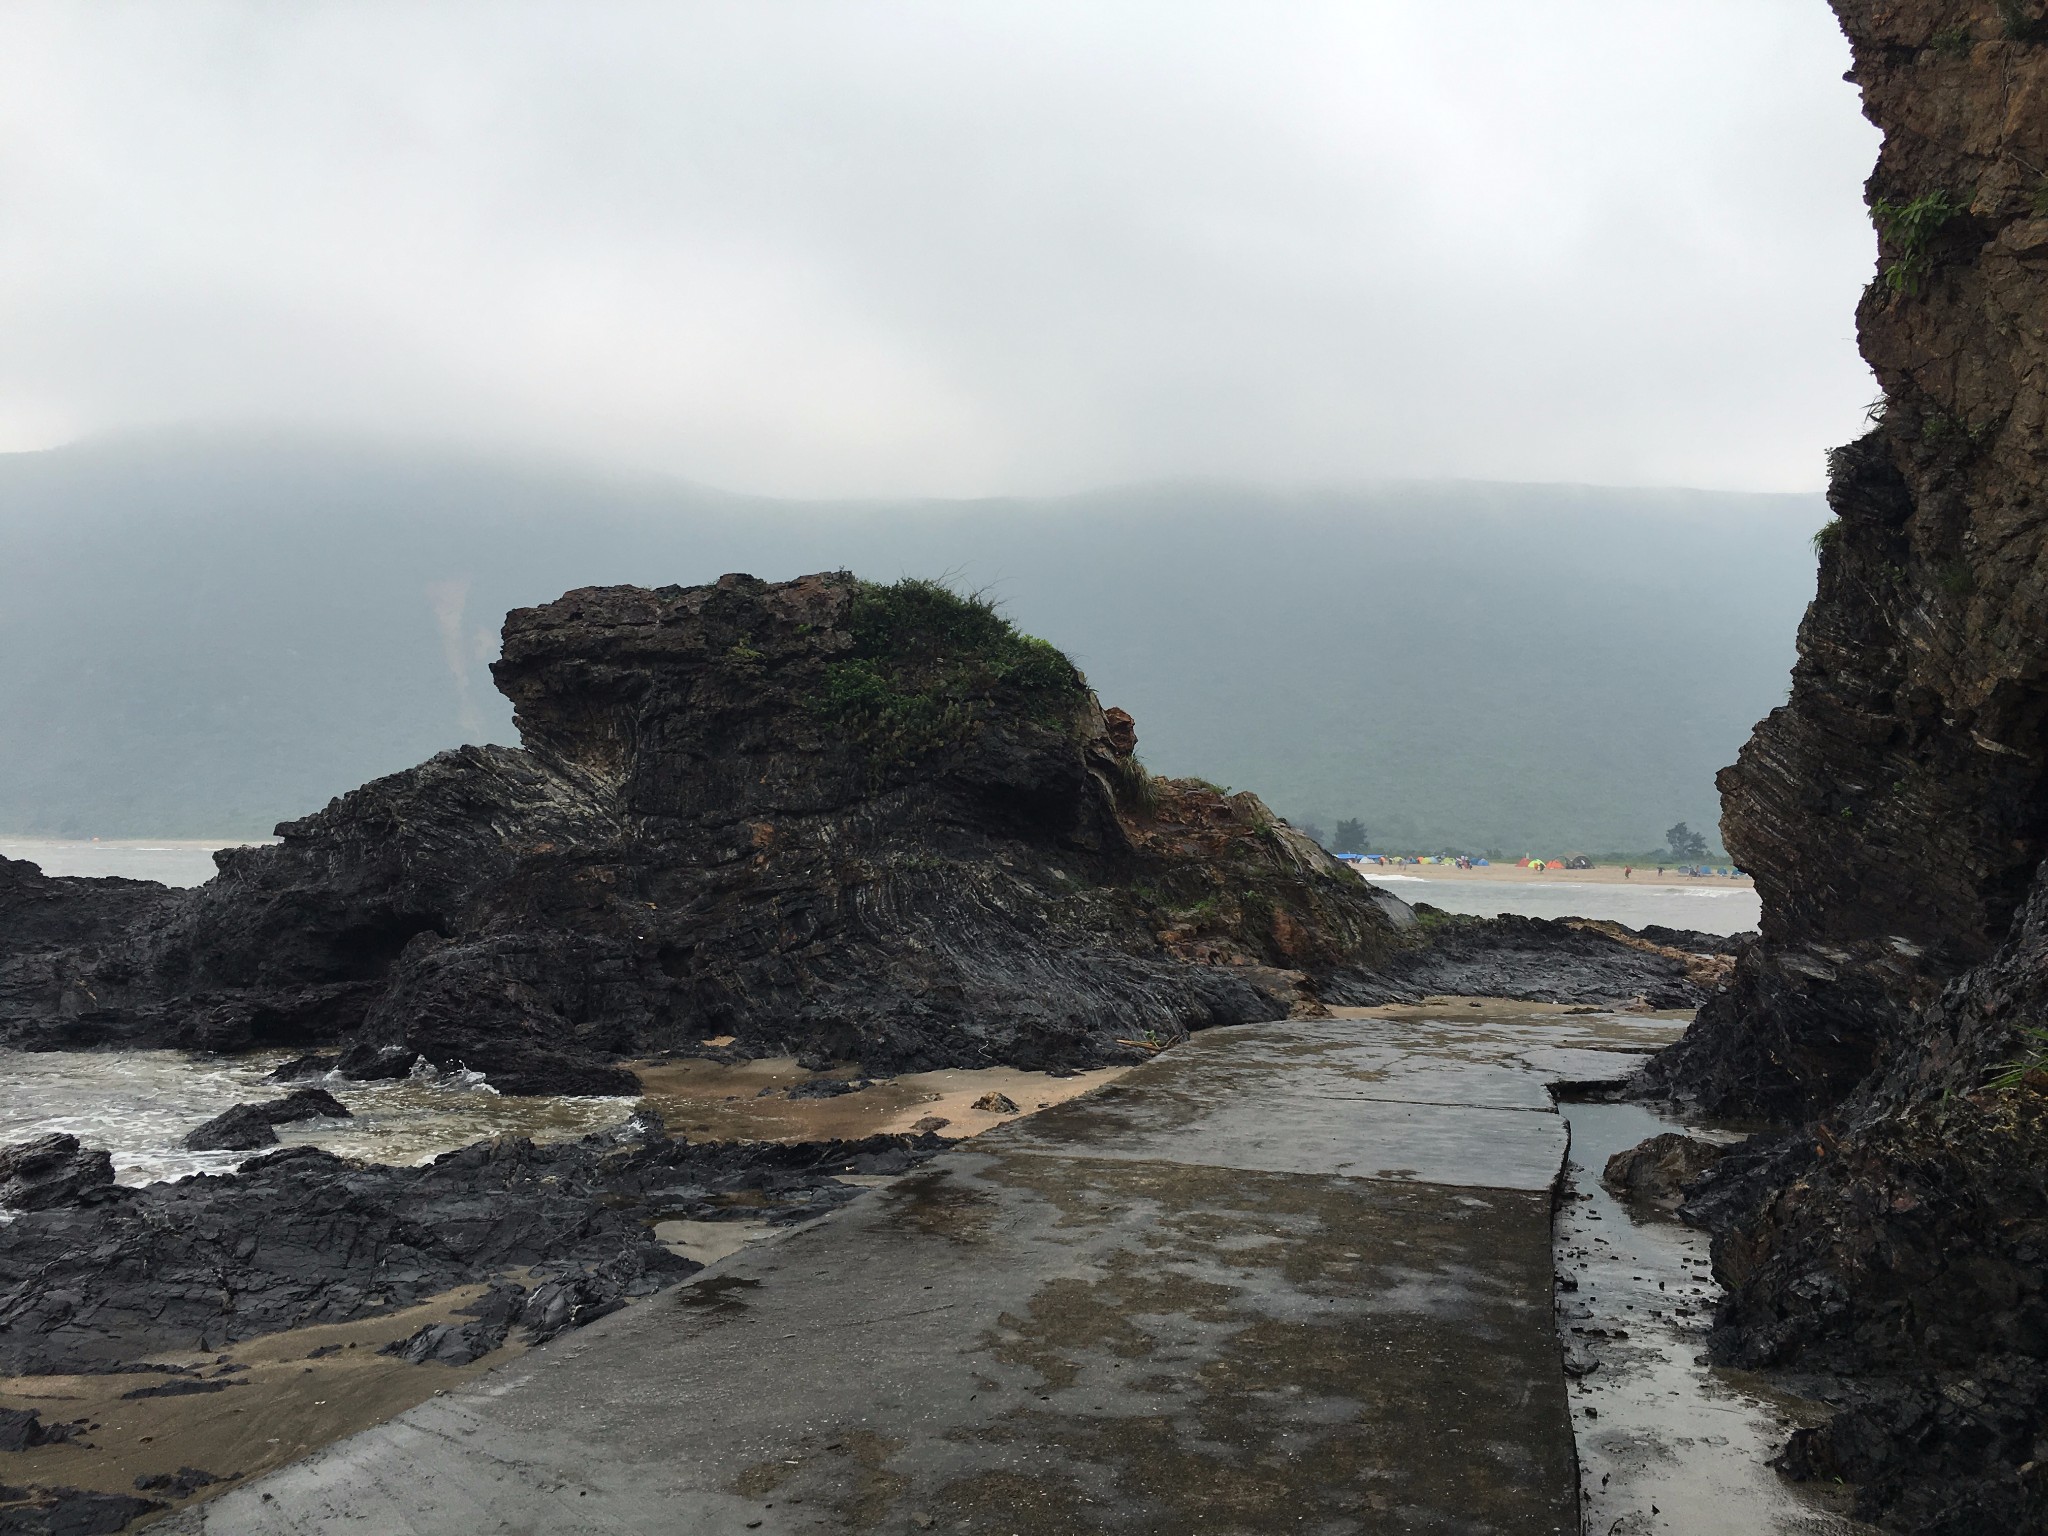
(202, 635)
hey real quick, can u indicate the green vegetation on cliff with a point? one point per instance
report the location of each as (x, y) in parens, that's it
(929, 664)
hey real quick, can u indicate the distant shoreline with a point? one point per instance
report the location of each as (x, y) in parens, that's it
(203, 844)
(1604, 874)
(1501, 873)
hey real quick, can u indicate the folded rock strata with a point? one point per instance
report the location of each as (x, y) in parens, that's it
(1895, 814)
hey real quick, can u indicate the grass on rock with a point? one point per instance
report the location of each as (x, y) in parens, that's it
(930, 665)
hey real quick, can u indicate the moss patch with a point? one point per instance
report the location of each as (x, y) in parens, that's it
(930, 665)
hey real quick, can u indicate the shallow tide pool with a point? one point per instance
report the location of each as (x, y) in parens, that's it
(1667, 1444)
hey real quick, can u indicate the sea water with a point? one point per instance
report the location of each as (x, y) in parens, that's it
(1702, 908)
(169, 861)
(140, 1105)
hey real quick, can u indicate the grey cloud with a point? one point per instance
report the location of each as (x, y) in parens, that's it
(898, 248)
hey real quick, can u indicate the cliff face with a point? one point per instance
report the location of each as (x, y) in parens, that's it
(1894, 809)
(1894, 812)
(822, 816)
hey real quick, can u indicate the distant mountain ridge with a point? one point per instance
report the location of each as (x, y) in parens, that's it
(202, 636)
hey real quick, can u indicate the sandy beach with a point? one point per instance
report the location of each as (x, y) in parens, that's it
(1515, 874)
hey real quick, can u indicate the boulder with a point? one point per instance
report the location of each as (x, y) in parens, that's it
(39, 1511)
(1658, 1169)
(368, 1063)
(22, 1429)
(51, 1171)
(448, 1343)
(246, 1127)
(1120, 730)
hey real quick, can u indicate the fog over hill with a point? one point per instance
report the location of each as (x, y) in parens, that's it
(201, 635)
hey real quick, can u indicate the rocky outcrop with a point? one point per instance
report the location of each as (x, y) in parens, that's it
(247, 1126)
(1895, 814)
(38, 1511)
(51, 1171)
(23, 1429)
(1543, 960)
(1894, 809)
(299, 1236)
(823, 816)
(1900, 1245)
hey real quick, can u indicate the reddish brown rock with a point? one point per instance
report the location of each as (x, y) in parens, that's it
(1120, 731)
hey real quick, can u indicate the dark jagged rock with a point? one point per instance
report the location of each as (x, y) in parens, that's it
(495, 1312)
(1659, 1170)
(298, 1236)
(826, 1088)
(23, 1429)
(179, 1388)
(1691, 941)
(368, 1063)
(181, 1484)
(51, 1170)
(566, 1303)
(1895, 814)
(1547, 960)
(304, 1104)
(37, 1511)
(246, 1127)
(313, 1064)
(1901, 1246)
(449, 1343)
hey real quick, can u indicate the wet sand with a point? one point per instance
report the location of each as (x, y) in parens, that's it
(282, 1404)
(749, 1101)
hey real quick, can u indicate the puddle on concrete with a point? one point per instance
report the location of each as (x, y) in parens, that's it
(1667, 1444)
(709, 1241)
(717, 1293)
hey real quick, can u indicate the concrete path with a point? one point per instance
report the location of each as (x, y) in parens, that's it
(1289, 1277)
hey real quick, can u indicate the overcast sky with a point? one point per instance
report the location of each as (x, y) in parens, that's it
(871, 247)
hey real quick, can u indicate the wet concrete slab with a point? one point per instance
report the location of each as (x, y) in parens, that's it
(1285, 1278)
